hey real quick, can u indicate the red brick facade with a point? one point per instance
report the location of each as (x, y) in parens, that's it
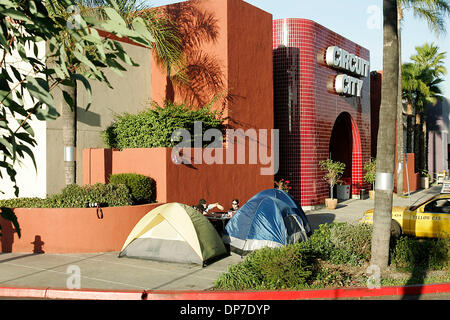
(306, 123)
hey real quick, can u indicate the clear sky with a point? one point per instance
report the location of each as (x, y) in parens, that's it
(360, 21)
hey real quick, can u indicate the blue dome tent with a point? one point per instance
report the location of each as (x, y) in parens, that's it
(287, 198)
(271, 218)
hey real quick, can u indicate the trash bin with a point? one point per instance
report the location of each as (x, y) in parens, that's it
(363, 194)
(343, 192)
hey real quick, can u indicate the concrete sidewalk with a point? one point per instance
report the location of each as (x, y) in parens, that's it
(108, 272)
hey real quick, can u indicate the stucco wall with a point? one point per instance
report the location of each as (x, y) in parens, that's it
(250, 66)
(131, 92)
(185, 183)
(71, 230)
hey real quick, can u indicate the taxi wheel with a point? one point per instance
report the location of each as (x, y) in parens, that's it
(396, 230)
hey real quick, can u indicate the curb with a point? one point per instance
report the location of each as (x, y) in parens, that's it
(49, 293)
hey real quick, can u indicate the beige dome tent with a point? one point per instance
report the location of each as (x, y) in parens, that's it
(174, 232)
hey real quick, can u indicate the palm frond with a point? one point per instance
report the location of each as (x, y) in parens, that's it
(434, 12)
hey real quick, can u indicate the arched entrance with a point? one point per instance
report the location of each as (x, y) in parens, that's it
(345, 146)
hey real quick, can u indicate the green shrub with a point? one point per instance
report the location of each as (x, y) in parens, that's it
(289, 267)
(352, 243)
(342, 243)
(141, 188)
(413, 254)
(154, 127)
(320, 241)
(74, 196)
(324, 260)
(25, 203)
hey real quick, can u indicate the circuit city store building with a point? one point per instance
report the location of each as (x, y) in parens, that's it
(321, 107)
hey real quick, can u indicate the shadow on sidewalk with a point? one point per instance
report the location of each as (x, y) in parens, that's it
(320, 218)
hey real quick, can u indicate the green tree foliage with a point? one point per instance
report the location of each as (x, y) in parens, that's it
(370, 167)
(434, 12)
(423, 76)
(23, 26)
(422, 79)
(420, 87)
(167, 43)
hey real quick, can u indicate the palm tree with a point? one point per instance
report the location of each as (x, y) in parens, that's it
(386, 150)
(428, 56)
(423, 78)
(167, 43)
(434, 13)
(416, 93)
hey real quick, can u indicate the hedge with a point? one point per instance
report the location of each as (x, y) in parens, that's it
(153, 127)
(141, 188)
(74, 196)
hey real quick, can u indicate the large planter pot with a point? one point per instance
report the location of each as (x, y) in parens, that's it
(424, 182)
(331, 203)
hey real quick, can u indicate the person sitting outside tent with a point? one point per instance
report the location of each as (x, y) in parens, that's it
(204, 208)
(234, 208)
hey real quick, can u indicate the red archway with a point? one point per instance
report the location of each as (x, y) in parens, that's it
(357, 167)
(345, 146)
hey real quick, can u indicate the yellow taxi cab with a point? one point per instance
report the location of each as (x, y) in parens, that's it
(430, 218)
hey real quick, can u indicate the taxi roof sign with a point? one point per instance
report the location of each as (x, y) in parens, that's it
(445, 186)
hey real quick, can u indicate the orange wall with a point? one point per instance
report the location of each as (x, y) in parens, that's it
(71, 230)
(215, 182)
(250, 66)
(181, 182)
(150, 162)
(99, 164)
(216, 49)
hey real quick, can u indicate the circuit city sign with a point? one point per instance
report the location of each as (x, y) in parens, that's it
(342, 60)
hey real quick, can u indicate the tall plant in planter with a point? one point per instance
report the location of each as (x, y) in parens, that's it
(334, 171)
(370, 167)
